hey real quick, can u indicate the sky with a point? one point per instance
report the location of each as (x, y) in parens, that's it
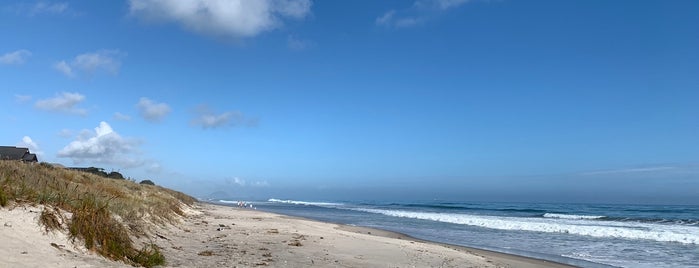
(473, 100)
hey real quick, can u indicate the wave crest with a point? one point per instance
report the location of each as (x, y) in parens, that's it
(572, 216)
(305, 203)
(605, 229)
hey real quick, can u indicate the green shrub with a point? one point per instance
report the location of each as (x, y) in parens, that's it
(115, 175)
(147, 182)
(149, 256)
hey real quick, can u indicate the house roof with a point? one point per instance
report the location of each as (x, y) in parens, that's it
(13, 153)
(30, 158)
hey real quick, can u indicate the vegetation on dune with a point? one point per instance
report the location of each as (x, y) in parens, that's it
(103, 213)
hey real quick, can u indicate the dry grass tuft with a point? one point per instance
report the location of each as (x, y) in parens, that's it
(106, 213)
(93, 224)
(51, 219)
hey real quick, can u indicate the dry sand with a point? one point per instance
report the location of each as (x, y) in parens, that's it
(23, 243)
(219, 236)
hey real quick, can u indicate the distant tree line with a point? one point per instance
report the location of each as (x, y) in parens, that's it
(111, 175)
(100, 172)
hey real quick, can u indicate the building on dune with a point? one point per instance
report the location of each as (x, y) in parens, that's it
(17, 153)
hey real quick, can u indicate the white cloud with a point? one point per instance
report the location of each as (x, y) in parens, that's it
(35, 8)
(439, 4)
(108, 61)
(229, 18)
(630, 170)
(48, 8)
(33, 147)
(22, 98)
(152, 111)
(296, 43)
(242, 183)
(104, 146)
(64, 68)
(121, 117)
(15, 57)
(154, 168)
(65, 133)
(208, 119)
(418, 13)
(64, 102)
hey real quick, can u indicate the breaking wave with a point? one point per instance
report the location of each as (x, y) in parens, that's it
(557, 224)
(572, 217)
(305, 203)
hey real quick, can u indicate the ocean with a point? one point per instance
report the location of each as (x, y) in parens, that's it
(585, 235)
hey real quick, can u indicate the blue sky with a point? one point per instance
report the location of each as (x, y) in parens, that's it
(566, 101)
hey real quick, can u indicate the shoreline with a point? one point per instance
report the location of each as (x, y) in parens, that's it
(512, 260)
(213, 235)
(352, 241)
(509, 258)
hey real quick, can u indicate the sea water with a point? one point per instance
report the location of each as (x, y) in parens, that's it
(586, 235)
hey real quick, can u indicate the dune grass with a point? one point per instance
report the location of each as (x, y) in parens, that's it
(105, 214)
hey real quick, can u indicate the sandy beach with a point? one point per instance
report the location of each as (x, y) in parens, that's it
(220, 236)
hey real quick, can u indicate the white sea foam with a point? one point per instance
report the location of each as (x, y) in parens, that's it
(571, 216)
(228, 201)
(604, 229)
(305, 203)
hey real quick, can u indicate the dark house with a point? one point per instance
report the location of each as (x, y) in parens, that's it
(17, 153)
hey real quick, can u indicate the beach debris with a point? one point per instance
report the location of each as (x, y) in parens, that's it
(8, 224)
(161, 236)
(299, 237)
(295, 243)
(206, 253)
(273, 231)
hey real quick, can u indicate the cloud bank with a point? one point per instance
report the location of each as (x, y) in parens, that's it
(152, 111)
(228, 18)
(104, 146)
(64, 102)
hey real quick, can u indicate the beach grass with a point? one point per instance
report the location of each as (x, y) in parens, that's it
(104, 214)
